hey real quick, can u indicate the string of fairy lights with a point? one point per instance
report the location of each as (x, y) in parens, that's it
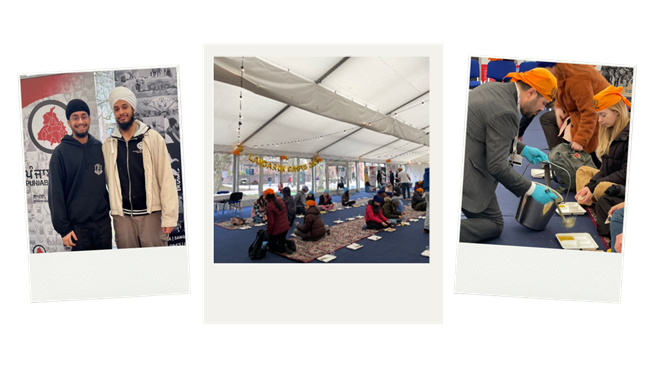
(240, 112)
(299, 141)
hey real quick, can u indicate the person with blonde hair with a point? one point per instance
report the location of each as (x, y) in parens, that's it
(612, 147)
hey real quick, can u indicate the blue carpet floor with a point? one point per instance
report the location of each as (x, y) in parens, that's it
(405, 245)
(514, 234)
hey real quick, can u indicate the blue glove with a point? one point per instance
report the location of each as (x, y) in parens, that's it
(543, 195)
(534, 155)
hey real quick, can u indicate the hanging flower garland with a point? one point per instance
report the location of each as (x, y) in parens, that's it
(277, 167)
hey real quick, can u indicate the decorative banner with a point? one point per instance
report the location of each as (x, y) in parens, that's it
(277, 167)
(44, 101)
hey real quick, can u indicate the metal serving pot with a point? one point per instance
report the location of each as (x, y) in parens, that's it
(534, 215)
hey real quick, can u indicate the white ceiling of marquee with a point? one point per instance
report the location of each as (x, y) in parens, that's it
(371, 87)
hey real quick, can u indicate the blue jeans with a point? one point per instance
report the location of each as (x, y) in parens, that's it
(616, 226)
(405, 189)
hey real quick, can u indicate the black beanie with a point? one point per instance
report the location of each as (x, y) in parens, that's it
(76, 105)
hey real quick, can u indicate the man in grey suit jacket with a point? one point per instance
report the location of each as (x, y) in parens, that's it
(492, 129)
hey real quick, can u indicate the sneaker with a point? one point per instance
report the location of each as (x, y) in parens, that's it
(290, 246)
(364, 227)
(426, 230)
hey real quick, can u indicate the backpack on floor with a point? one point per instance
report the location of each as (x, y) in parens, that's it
(571, 160)
(257, 250)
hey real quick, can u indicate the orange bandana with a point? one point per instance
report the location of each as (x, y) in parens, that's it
(539, 78)
(268, 192)
(609, 97)
(310, 203)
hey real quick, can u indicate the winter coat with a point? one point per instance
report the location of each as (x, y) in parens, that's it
(416, 199)
(277, 217)
(160, 184)
(371, 217)
(322, 201)
(313, 225)
(613, 164)
(388, 210)
(577, 86)
(300, 198)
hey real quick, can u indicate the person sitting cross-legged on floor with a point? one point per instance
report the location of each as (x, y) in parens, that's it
(418, 202)
(313, 228)
(389, 210)
(258, 210)
(374, 218)
(345, 198)
(325, 201)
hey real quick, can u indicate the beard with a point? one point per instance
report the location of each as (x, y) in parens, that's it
(126, 125)
(80, 135)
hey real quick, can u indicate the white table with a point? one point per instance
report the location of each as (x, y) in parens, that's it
(217, 198)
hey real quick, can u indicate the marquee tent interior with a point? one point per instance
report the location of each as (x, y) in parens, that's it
(356, 114)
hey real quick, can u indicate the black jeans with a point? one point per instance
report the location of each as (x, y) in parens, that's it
(93, 235)
(277, 243)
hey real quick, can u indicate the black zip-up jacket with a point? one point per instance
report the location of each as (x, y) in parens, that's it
(132, 175)
(613, 164)
(77, 191)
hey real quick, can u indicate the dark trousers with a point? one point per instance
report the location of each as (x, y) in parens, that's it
(374, 225)
(551, 129)
(484, 226)
(300, 210)
(277, 242)
(602, 208)
(349, 203)
(405, 189)
(93, 235)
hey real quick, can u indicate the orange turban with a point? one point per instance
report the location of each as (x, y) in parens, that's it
(539, 78)
(420, 190)
(268, 192)
(609, 97)
(310, 203)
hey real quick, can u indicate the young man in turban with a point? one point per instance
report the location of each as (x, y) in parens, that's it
(142, 189)
(77, 194)
(492, 128)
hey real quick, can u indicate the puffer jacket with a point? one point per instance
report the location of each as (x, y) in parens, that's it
(416, 199)
(313, 225)
(277, 217)
(160, 186)
(613, 164)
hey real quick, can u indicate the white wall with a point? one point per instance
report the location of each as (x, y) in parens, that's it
(416, 171)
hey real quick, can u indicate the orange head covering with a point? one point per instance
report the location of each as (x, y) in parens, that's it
(609, 97)
(539, 78)
(420, 190)
(268, 192)
(310, 203)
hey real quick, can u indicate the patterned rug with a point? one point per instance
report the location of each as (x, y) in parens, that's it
(606, 240)
(343, 234)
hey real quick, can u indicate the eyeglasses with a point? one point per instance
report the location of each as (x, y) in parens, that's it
(77, 118)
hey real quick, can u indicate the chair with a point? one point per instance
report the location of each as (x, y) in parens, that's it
(234, 201)
(498, 70)
(526, 66)
(474, 73)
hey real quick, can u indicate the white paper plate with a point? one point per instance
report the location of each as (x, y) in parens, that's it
(572, 208)
(374, 238)
(354, 246)
(539, 173)
(426, 253)
(326, 258)
(576, 241)
(350, 219)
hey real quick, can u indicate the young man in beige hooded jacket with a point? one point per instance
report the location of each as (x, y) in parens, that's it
(142, 190)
